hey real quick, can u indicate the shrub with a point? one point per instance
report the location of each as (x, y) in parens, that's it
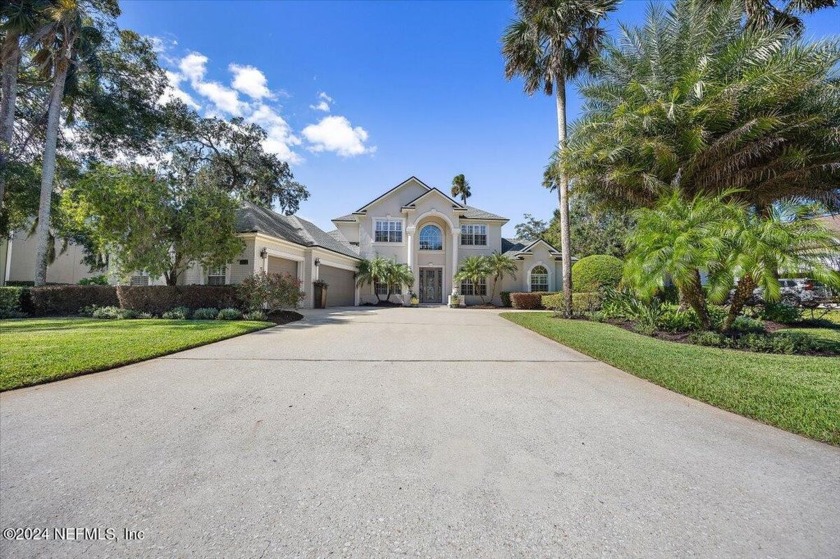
(11, 301)
(157, 299)
(271, 292)
(208, 313)
(777, 342)
(70, 299)
(95, 280)
(745, 324)
(596, 272)
(505, 295)
(780, 312)
(115, 313)
(229, 314)
(673, 319)
(178, 313)
(582, 303)
(255, 315)
(526, 301)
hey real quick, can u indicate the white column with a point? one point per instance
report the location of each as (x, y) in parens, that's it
(456, 242)
(409, 232)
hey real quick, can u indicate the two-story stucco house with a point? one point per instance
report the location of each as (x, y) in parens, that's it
(412, 223)
(415, 224)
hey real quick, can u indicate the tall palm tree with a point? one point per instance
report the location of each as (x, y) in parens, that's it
(474, 269)
(499, 266)
(758, 245)
(20, 18)
(551, 42)
(72, 30)
(460, 187)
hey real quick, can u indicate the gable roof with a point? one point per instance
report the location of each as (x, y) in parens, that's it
(251, 218)
(403, 183)
(455, 203)
(517, 248)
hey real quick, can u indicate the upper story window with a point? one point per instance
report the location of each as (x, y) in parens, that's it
(539, 279)
(474, 235)
(216, 276)
(388, 231)
(431, 238)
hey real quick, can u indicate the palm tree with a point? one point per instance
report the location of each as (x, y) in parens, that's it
(69, 35)
(677, 239)
(499, 266)
(21, 18)
(693, 99)
(551, 42)
(397, 275)
(757, 246)
(373, 271)
(763, 14)
(460, 187)
(474, 269)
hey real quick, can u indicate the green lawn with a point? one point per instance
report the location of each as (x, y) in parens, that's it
(37, 350)
(797, 393)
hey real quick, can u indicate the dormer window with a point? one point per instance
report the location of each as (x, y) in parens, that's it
(388, 231)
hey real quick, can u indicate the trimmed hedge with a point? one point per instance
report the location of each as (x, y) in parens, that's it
(157, 299)
(526, 301)
(581, 302)
(70, 299)
(14, 301)
(505, 295)
(595, 272)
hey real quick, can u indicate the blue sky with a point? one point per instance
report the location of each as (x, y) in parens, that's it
(361, 95)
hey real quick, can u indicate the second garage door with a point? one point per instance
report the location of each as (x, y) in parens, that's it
(342, 290)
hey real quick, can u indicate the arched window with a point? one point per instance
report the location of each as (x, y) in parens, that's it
(539, 278)
(431, 238)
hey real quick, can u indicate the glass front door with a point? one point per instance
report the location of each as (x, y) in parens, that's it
(431, 285)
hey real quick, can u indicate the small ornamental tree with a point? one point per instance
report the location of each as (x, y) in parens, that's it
(474, 269)
(271, 292)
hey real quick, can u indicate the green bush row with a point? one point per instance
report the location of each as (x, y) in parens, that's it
(763, 342)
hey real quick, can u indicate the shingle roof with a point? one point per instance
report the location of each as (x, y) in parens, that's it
(254, 219)
(475, 213)
(512, 246)
(348, 217)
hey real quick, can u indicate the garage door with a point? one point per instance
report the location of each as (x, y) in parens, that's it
(282, 266)
(341, 291)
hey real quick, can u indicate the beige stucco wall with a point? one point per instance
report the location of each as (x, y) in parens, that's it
(66, 268)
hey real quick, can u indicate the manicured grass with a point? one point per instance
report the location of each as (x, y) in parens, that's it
(797, 393)
(33, 351)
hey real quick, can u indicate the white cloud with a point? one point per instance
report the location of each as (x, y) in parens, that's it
(173, 91)
(323, 103)
(336, 134)
(250, 81)
(194, 66)
(280, 135)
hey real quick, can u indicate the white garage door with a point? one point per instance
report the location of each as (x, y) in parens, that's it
(341, 291)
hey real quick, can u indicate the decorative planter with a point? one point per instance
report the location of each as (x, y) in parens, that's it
(319, 294)
(454, 302)
(414, 301)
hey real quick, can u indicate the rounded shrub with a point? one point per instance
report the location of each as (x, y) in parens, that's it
(595, 272)
(207, 313)
(229, 314)
(177, 313)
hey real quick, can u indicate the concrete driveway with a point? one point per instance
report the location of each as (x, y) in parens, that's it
(422, 432)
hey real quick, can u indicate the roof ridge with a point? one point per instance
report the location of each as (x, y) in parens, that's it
(300, 227)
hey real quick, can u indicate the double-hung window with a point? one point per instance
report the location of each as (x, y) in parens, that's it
(388, 231)
(381, 289)
(470, 288)
(474, 235)
(216, 276)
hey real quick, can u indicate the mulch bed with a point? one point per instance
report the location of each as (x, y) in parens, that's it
(284, 317)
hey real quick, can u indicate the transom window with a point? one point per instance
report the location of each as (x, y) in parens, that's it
(216, 276)
(469, 288)
(539, 279)
(381, 289)
(431, 238)
(388, 231)
(474, 235)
